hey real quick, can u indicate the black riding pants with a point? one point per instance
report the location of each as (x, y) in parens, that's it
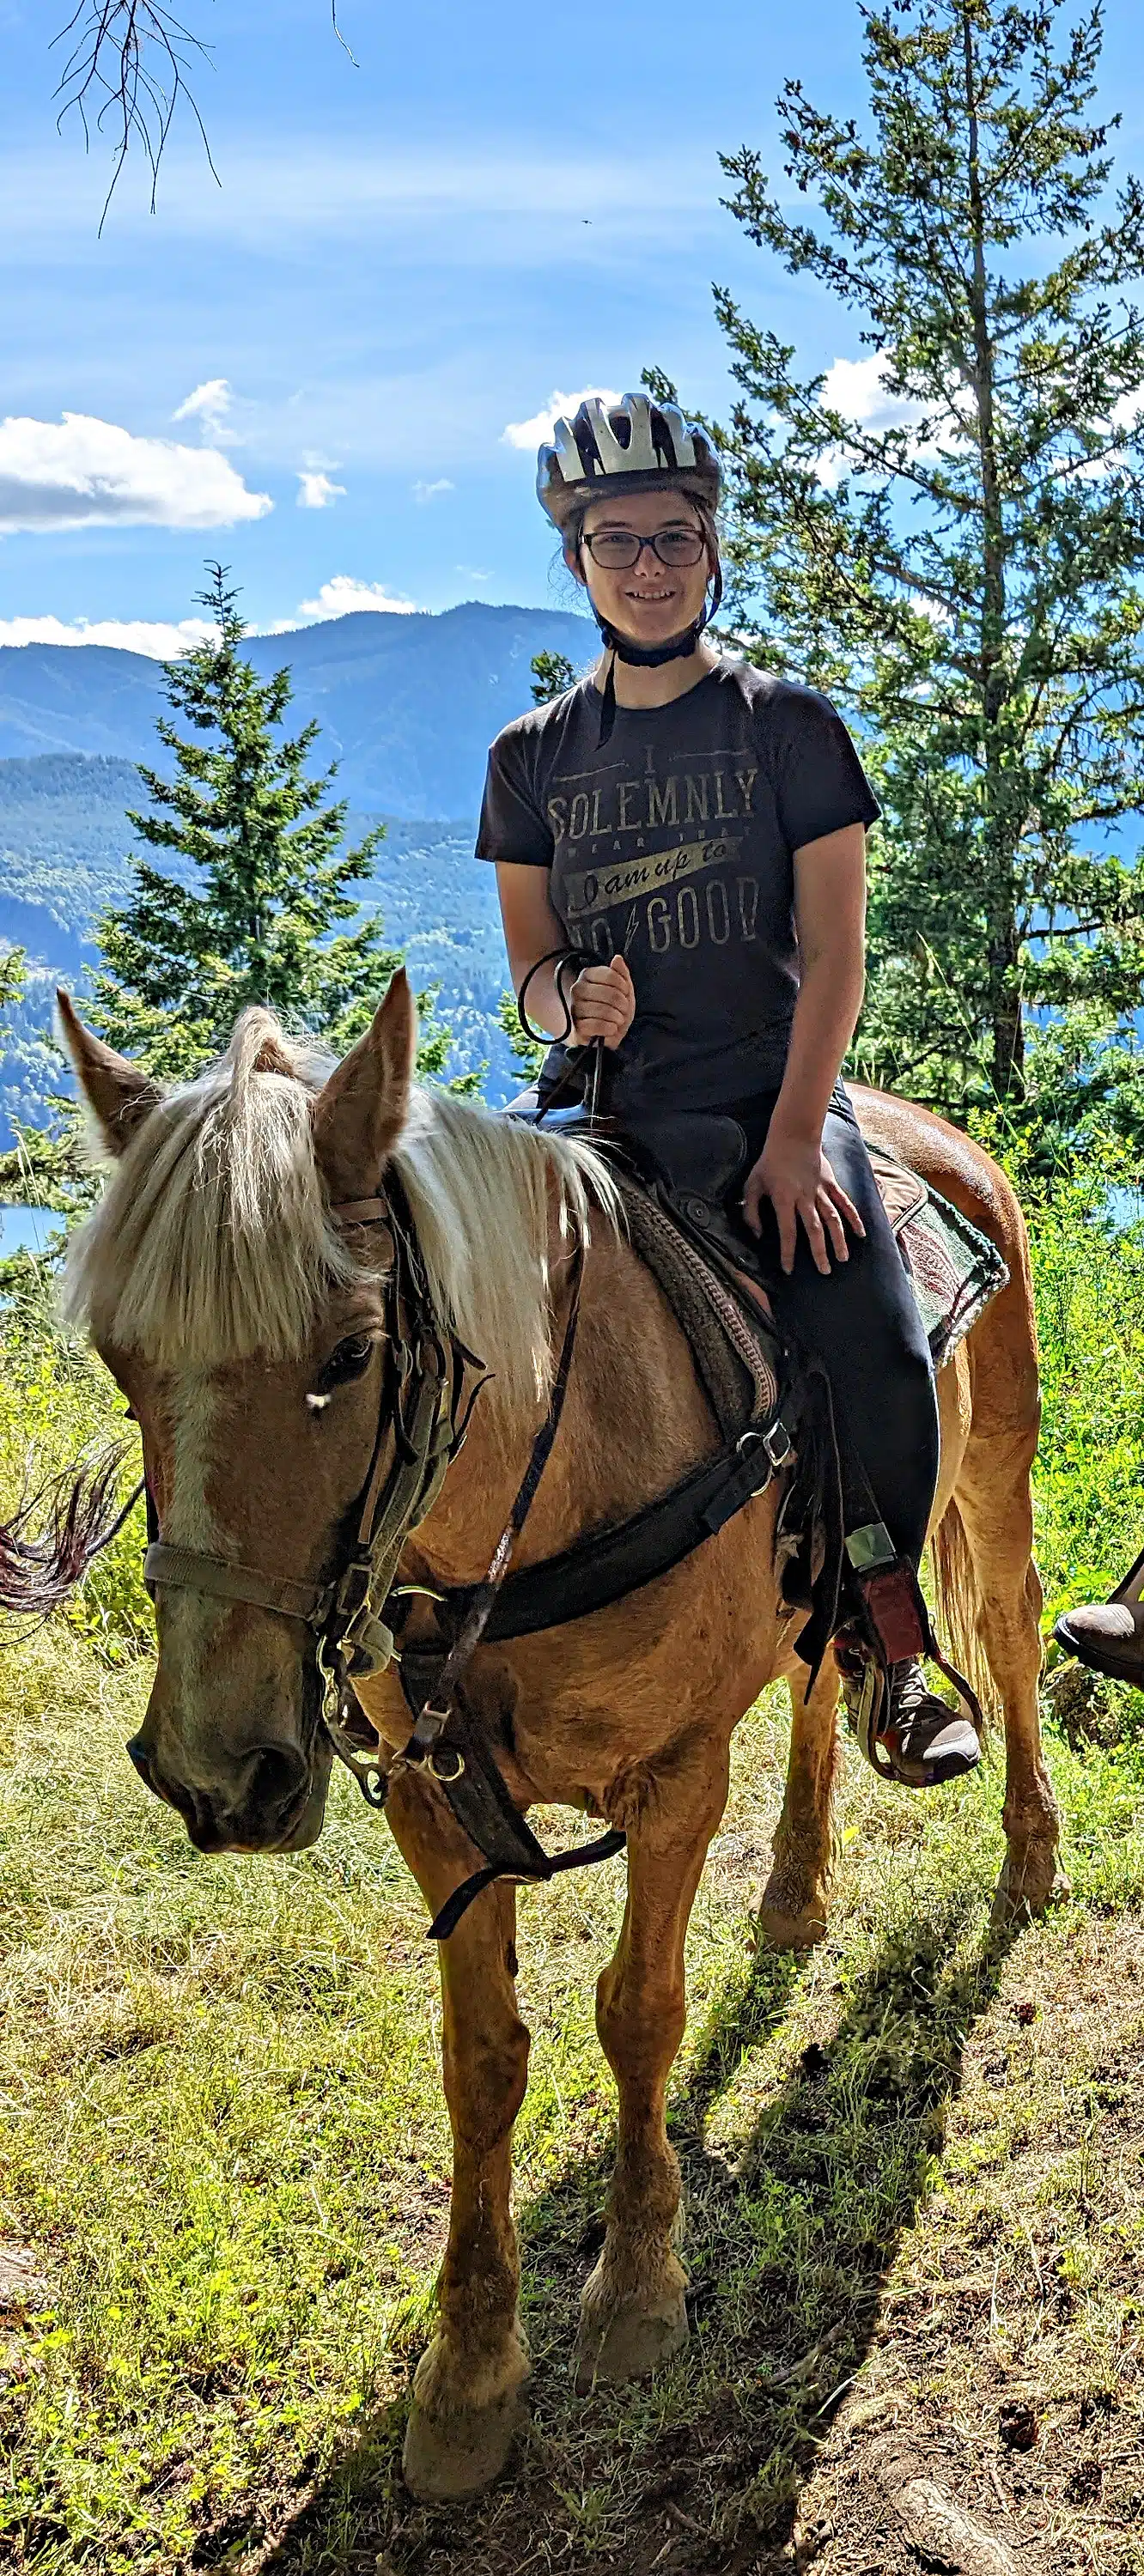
(862, 1322)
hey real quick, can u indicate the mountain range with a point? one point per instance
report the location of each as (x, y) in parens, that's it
(407, 706)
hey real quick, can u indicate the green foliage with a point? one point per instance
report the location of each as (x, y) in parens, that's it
(12, 965)
(1089, 1282)
(245, 812)
(955, 552)
(529, 1052)
(552, 674)
(59, 1408)
(229, 2148)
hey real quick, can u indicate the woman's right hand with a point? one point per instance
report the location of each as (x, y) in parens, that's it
(603, 1004)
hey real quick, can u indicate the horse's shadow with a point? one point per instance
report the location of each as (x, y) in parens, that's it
(792, 2233)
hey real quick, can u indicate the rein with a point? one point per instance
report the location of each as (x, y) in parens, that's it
(422, 1400)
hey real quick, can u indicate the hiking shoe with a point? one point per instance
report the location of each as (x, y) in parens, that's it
(915, 1737)
(1107, 1635)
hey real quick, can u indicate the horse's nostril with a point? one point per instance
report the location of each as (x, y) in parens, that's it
(275, 1777)
(139, 1758)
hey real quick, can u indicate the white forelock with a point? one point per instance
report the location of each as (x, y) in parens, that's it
(213, 1241)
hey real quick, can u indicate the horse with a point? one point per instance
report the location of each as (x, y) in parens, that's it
(245, 1327)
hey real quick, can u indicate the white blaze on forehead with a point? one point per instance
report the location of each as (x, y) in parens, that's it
(196, 1423)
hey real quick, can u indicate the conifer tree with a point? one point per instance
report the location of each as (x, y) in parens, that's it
(259, 882)
(948, 536)
(552, 673)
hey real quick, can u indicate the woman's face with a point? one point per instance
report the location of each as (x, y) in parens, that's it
(651, 601)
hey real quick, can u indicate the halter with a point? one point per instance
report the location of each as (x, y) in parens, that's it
(423, 1402)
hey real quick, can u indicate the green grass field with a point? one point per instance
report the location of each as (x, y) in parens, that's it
(913, 2165)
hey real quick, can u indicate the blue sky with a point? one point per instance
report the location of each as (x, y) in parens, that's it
(402, 260)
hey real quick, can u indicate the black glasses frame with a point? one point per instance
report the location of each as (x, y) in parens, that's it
(674, 562)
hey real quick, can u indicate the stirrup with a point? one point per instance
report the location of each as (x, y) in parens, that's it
(892, 1627)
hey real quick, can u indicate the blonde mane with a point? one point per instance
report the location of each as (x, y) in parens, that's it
(213, 1240)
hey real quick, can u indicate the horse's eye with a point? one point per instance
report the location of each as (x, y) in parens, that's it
(351, 1359)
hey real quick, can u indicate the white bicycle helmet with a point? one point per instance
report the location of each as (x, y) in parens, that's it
(635, 445)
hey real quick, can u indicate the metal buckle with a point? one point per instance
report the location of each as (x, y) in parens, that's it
(419, 1749)
(775, 1442)
(353, 1589)
(778, 1443)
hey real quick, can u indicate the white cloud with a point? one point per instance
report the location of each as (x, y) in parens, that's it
(316, 491)
(857, 388)
(1125, 413)
(423, 492)
(78, 472)
(128, 634)
(343, 597)
(529, 433)
(209, 405)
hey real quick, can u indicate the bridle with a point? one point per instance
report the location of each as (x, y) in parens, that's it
(423, 1416)
(425, 1406)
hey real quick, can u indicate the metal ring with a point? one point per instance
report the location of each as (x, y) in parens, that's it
(447, 1753)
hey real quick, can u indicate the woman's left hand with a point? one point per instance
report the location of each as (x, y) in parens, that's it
(797, 1178)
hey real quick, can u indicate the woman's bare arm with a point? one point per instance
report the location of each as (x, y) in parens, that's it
(830, 919)
(602, 998)
(792, 1171)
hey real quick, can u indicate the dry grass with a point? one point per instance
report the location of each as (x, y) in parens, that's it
(913, 2162)
(912, 2166)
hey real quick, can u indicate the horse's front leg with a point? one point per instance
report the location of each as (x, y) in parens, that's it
(632, 2312)
(466, 2392)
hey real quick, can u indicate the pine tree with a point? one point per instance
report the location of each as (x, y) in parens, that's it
(948, 538)
(263, 882)
(552, 673)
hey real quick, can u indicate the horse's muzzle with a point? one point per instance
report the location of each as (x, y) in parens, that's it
(280, 1808)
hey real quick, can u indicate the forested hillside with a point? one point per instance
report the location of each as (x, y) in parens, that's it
(407, 707)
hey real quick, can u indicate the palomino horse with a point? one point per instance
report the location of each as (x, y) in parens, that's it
(243, 1327)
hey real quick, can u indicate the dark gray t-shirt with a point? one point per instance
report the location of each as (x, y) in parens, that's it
(672, 845)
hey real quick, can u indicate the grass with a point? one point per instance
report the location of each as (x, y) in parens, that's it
(912, 2162)
(911, 2166)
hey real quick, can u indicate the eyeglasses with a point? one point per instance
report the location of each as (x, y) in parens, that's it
(619, 549)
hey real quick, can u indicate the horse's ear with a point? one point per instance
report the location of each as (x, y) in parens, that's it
(360, 1112)
(119, 1096)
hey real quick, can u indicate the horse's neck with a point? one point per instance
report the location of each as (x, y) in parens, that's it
(635, 1421)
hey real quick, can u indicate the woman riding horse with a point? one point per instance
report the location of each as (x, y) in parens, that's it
(694, 828)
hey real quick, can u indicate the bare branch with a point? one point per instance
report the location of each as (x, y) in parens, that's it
(346, 49)
(126, 69)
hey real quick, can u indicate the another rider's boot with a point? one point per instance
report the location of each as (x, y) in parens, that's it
(1109, 1635)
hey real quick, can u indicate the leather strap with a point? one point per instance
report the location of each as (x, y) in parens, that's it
(180, 1566)
(611, 1563)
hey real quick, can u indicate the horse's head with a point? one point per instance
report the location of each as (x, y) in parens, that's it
(244, 1326)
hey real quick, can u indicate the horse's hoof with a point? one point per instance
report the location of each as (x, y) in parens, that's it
(787, 1927)
(448, 2457)
(630, 2344)
(1029, 1884)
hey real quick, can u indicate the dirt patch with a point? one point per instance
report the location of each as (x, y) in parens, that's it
(985, 2337)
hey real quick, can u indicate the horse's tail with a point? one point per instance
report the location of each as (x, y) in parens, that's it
(79, 1513)
(958, 1603)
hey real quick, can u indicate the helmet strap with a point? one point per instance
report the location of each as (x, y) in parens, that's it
(650, 657)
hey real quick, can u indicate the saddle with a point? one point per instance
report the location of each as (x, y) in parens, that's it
(693, 1161)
